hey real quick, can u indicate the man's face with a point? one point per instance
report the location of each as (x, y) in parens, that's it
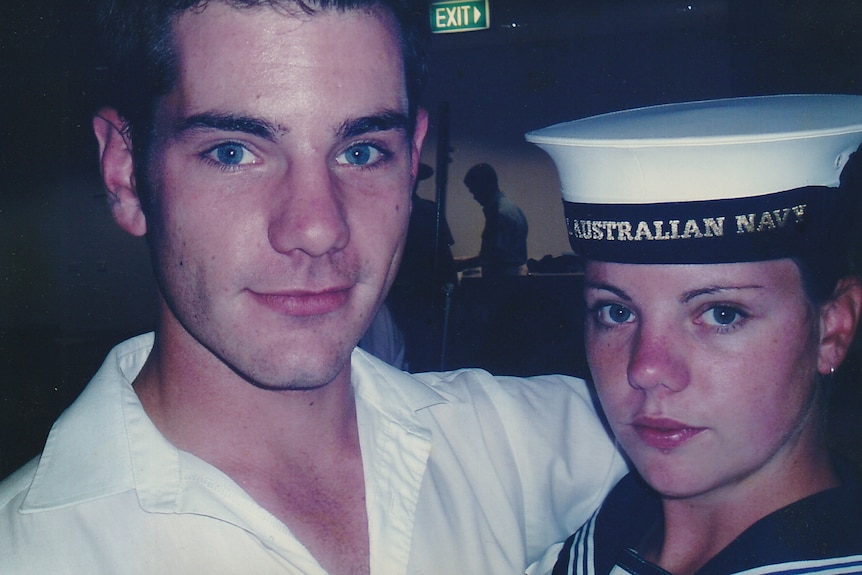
(281, 172)
(481, 193)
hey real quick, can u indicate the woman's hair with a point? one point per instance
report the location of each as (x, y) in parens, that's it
(820, 271)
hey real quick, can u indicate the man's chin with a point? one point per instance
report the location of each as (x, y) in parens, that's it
(301, 375)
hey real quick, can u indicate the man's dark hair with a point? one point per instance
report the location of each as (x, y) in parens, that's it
(482, 177)
(140, 64)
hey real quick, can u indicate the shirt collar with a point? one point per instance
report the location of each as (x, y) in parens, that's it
(388, 388)
(105, 444)
(86, 455)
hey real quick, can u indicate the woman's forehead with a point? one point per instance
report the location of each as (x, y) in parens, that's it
(781, 273)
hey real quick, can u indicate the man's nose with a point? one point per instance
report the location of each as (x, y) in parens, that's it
(309, 214)
(657, 361)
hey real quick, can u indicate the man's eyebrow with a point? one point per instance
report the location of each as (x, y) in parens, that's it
(229, 123)
(389, 120)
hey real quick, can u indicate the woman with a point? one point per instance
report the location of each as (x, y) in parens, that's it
(716, 238)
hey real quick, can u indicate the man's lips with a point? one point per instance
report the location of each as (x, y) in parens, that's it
(662, 433)
(304, 303)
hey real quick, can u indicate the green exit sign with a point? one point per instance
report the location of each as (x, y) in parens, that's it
(459, 16)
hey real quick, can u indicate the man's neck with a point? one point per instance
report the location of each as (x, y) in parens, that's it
(295, 452)
(207, 409)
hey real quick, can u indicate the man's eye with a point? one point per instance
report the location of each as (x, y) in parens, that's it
(360, 155)
(232, 154)
(613, 314)
(722, 316)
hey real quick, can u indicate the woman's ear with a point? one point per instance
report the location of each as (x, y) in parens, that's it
(839, 319)
(118, 170)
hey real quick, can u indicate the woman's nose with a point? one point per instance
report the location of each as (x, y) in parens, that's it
(657, 360)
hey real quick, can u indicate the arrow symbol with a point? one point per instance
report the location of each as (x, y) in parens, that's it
(476, 15)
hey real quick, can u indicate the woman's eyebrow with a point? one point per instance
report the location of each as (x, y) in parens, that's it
(598, 286)
(714, 289)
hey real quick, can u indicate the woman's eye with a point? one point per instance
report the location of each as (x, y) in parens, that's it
(722, 316)
(232, 154)
(613, 314)
(360, 155)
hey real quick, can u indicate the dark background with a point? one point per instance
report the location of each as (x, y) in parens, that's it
(71, 285)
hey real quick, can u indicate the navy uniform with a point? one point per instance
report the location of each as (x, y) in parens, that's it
(742, 179)
(819, 534)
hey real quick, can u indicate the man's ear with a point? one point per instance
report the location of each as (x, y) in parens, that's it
(839, 319)
(419, 131)
(118, 171)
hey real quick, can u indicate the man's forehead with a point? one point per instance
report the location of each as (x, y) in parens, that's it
(217, 29)
(259, 62)
(276, 13)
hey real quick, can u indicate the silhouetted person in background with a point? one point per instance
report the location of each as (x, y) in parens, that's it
(504, 239)
(417, 298)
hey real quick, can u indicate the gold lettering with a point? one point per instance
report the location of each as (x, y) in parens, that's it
(577, 230)
(624, 231)
(691, 229)
(780, 216)
(766, 222)
(658, 235)
(606, 232)
(611, 226)
(745, 223)
(665, 229)
(799, 211)
(643, 232)
(713, 226)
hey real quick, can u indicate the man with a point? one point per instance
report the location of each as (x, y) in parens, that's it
(504, 238)
(267, 154)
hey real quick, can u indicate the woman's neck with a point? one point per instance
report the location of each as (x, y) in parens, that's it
(695, 529)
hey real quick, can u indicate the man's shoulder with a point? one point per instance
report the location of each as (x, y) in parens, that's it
(539, 407)
(86, 452)
(465, 384)
(15, 487)
(472, 387)
(512, 209)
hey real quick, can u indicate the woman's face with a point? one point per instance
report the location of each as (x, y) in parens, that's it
(707, 373)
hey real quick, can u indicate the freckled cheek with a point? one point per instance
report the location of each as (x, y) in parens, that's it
(605, 351)
(608, 368)
(780, 389)
(615, 398)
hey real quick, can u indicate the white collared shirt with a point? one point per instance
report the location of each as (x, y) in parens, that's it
(464, 473)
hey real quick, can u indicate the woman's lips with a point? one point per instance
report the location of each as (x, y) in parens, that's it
(304, 303)
(664, 434)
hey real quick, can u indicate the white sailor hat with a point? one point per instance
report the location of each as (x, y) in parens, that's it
(740, 179)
